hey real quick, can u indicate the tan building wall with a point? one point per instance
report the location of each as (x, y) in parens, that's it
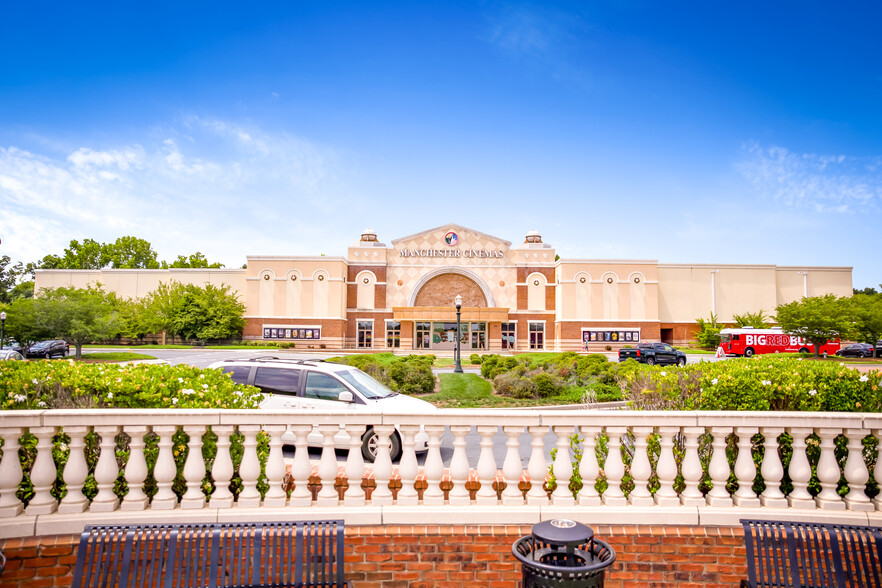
(137, 283)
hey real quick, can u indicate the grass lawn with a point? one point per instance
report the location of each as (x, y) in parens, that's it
(114, 357)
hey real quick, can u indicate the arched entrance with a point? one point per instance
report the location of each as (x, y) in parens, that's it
(439, 289)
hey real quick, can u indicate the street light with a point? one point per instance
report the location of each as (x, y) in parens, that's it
(2, 328)
(457, 369)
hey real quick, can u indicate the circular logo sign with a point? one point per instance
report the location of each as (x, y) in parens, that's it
(451, 238)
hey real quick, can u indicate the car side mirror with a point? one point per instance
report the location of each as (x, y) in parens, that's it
(346, 396)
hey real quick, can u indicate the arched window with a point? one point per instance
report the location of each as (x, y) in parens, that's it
(364, 297)
(536, 292)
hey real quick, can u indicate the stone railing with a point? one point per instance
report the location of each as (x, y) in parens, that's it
(654, 467)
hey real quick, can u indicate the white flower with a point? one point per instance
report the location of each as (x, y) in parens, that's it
(174, 400)
(118, 380)
(181, 380)
(205, 386)
(864, 378)
(110, 395)
(812, 392)
(35, 381)
(714, 381)
(42, 404)
(20, 397)
(238, 393)
(766, 382)
(188, 391)
(201, 376)
(664, 373)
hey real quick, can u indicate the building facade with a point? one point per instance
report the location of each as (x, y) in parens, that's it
(515, 298)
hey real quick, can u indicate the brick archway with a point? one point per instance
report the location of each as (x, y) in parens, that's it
(442, 289)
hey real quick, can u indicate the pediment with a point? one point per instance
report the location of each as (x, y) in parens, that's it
(466, 237)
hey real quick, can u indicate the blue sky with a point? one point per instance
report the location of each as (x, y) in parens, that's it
(684, 132)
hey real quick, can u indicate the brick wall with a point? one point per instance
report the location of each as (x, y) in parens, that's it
(435, 556)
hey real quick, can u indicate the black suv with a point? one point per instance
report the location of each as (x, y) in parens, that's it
(48, 349)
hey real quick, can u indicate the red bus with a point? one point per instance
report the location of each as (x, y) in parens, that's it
(747, 341)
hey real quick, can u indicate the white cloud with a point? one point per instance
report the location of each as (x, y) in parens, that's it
(822, 183)
(226, 189)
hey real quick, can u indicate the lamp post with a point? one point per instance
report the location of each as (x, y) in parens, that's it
(457, 369)
(2, 328)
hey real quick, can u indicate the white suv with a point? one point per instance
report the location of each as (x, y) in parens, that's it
(327, 387)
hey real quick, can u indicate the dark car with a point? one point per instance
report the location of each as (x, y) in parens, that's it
(47, 349)
(13, 345)
(856, 350)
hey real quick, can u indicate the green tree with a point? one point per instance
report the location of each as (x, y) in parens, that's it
(866, 310)
(757, 320)
(708, 335)
(130, 253)
(196, 260)
(24, 322)
(816, 319)
(79, 315)
(867, 290)
(89, 254)
(193, 312)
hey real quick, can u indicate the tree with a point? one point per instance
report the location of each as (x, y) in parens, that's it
(79, 315)
(867, 290)
(708, 334)
(816, 319)
(193, 312)
(196, 260)
(89, 254)
(757, 320)
(130, 253)
(866, 310)
(24, 322)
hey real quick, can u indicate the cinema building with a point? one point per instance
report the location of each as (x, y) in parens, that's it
(515, 297)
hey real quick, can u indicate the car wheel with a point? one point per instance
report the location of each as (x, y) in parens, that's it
(803, 350)
(650, 361)
(748, 352)
(370, 446)
(681, 362)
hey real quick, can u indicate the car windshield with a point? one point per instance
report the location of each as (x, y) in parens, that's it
(366, 385)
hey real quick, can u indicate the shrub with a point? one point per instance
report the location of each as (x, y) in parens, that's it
(475, 359)
(513, 385)
(546, 384)
(708, 335)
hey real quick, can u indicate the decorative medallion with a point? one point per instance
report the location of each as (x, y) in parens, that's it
(321, 277)
(451, 238)
(501, 283)
(582, 279)
(366, 280)
(609, 280)
(400, 282)
(535, 282)
(636, 280)
(265, 276)
(294, 278)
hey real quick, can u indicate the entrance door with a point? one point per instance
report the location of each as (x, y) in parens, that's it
(444, 336)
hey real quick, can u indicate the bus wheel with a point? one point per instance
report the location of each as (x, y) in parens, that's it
(804, 350)
(748, 352)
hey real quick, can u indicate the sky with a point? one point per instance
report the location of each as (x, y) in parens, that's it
(746, 132)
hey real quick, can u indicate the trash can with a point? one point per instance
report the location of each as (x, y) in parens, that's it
(562, 553)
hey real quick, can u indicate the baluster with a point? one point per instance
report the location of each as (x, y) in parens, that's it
(537, 467)
(327, 468)
(382, 494)
(828, 472)
(106, 471)
(222, 470)
(408, 468)
(666, 468)
(772, 469)
(562, 468)
(856, 473)
(275, 467)
(486, 466)
(800, 471)
(164, 471)
(512, 468)
(641, 469)
(249, 469)
(614, 468)
(745, 469)
(136, 469)
(434, 467)
(354, 495)
(691, 468)
(459, 466)
(589, 469)
(43, 473)
(301, 468)
(718, 469)
(194, 469)
(11, 473)
(877, 469)
(75, 472)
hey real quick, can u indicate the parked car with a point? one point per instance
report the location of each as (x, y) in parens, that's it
(10, 355)
(14, 346)
(49, 349)
(653, 353)
(327, 387)
(856, 350)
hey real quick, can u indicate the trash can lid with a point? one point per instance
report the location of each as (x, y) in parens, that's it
(562, 532)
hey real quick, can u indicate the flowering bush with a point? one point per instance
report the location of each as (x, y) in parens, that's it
(66, 384)
(762, 383)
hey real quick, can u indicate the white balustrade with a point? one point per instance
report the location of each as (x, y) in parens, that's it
(628, 438)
